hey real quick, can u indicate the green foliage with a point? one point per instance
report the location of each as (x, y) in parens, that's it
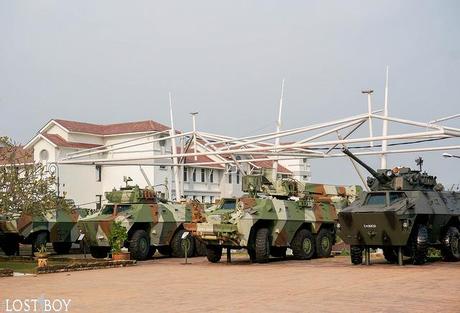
(345, 252)
(118, 236)
(434, 253)
(25, 187)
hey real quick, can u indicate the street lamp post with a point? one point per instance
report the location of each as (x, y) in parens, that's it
(53, 169)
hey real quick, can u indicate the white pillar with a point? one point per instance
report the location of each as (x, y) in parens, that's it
(278, 128)
(383, 160)
(172, 132)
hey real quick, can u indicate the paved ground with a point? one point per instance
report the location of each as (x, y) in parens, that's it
(325, 285)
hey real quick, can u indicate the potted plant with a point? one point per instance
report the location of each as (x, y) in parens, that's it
(117, 238)
(42, 256)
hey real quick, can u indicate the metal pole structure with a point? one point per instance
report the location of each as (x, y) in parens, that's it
(174, 151)
(383, 160)
(194, 132)
(369, 109)
(278, 128)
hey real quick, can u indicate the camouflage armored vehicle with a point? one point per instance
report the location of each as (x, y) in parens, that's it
(152, 223)
(58, 226)
(405, 212)
(272, 217)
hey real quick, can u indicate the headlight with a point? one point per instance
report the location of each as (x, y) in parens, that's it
(338, 226)
(405, 224)
(389, 173)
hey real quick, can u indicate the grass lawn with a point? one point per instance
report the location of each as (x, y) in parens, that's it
(24, 267)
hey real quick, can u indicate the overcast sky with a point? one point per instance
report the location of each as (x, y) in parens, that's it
(115, 61)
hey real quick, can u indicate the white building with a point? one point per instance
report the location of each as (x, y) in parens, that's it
(86, 184)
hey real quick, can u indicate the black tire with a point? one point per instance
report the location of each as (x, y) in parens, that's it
(139, 245)
(164, 250)
(200, 248)
(451, 245)
(213, 253)
(262, 245)
(62, 247)
(10, 246)
(356, 255)
(99, 252)
(303, 245)
(278, 252)
(419, 245)
(390, 254)
(178, 245)
(40, 239)
(324, 242)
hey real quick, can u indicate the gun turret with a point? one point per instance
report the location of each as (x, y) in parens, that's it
(382, 178)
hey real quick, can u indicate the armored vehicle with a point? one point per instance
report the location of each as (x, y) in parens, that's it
(58, 226)
(152, 223)
(404, 213)
(274, 216)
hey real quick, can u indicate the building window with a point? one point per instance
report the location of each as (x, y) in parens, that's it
(211, 199)
(304, 160)
(211, 176)
(98, 202)
(194, 175)
(202, 199)
(185, 174)
(238, 177)
(203, 173)
(44, 155)
(229, 178)
(163, 167)
(98, 172)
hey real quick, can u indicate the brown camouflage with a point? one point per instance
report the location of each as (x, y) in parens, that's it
(139, 210)
(314, 208)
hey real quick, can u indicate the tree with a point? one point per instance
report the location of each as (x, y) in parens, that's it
(25, 186)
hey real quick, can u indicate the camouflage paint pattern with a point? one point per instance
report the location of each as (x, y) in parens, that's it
(59, 225)
(317, 207)
(137, 208)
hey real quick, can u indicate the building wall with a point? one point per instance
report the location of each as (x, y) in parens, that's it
(300, 168)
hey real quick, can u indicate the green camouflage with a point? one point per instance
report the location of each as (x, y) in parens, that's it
(151, 224)
(405, 212)
(56, 226)
(286, 208)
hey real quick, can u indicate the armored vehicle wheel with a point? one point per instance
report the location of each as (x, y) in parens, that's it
(390, 254)
(303, 245)
(451, 245)
(62, 247)
(139, 245)
(164, 250)
(278, 252)
(178, 245)
(213, 253)
(39, 240)
(324, 243)
(200, 248)
(419, 245)
(10, 246)
(99, 252)
(262, 245)
(356, 255)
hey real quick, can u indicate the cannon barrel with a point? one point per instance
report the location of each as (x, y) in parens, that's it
(381, 178)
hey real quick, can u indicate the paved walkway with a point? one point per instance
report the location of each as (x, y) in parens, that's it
(325, 285)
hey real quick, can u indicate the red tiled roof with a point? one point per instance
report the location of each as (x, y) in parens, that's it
(112, 129)
(19, 154)
(199, 159)
(269, 164)
(61, 142)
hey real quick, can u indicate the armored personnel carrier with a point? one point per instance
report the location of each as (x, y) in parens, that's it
(152, 223)
(404, 213)
(58, 226)
(274, 216)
